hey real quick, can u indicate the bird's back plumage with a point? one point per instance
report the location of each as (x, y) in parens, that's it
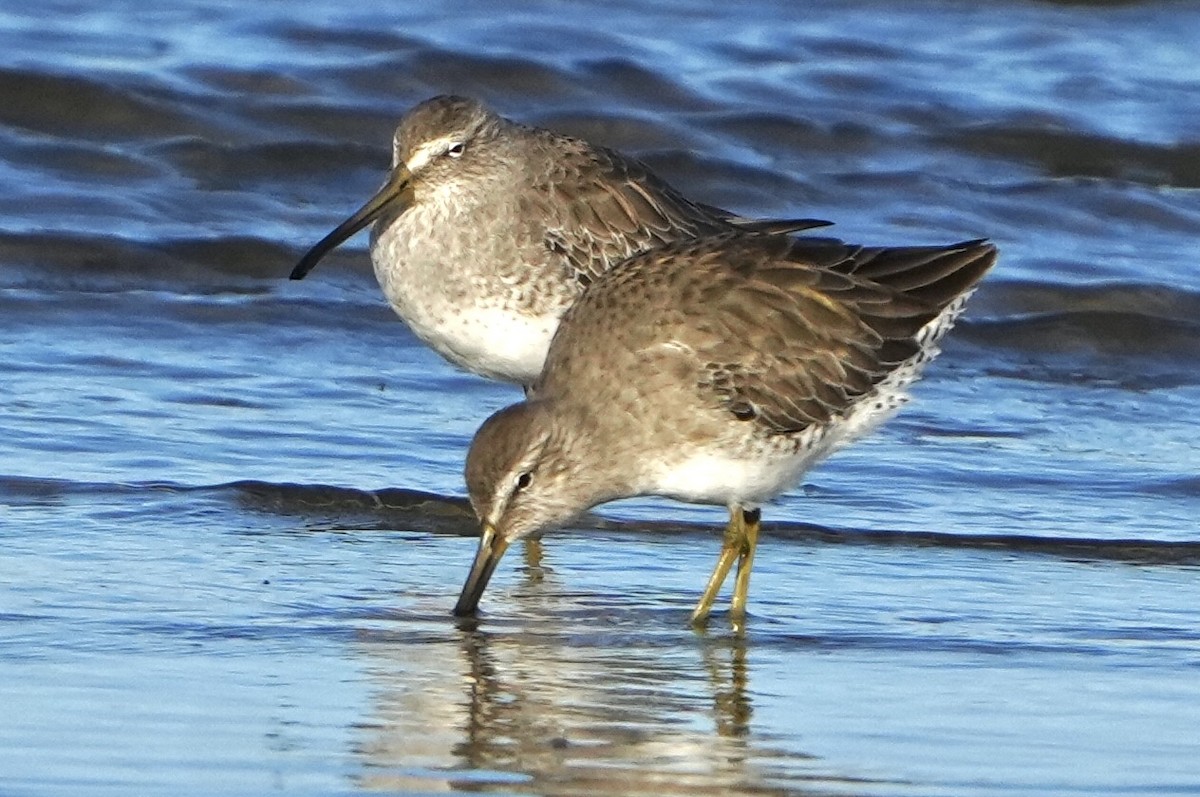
(782, 332)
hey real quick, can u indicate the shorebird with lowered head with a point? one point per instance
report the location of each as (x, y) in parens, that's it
(716, 371)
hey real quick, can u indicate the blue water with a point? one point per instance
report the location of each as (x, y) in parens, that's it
(231, 514)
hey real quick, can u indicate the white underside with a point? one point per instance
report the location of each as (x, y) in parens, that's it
(717, 478)
(488, 341)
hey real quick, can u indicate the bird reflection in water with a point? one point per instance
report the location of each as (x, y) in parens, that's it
(575, 696)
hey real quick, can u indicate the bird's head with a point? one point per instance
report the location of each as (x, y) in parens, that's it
(529, 470)
(441, 144)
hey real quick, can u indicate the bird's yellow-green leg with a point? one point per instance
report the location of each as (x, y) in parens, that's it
(533, 553)
(732, 547)
(533, 560)
(741, 586)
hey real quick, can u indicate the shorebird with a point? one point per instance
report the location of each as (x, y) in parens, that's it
(717, 371)
(487, 230)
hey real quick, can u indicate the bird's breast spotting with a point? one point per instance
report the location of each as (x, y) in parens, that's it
(490, 333)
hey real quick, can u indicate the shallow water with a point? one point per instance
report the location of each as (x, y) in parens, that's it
(231, 515)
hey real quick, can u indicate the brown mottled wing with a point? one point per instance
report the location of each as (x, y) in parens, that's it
(781, 332)
(804, 329)
(607, 207)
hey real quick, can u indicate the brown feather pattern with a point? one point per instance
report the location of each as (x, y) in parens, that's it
(784, 333)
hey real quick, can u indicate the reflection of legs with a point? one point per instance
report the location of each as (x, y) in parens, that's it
(729, 682)
(741, 537)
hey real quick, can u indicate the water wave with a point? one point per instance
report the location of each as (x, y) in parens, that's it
(330, 507)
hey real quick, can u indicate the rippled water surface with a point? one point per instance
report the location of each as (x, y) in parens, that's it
(231, 514)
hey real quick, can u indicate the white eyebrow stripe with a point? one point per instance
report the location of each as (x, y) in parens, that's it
(429, 150)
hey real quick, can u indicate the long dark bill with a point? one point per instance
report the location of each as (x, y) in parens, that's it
(491, 548)
(395, 192)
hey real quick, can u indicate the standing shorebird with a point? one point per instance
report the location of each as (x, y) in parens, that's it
(713, 371)
(488, 230)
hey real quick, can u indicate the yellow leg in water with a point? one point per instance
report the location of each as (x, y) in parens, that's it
(533, 553)
(741, 586)
(737, 544)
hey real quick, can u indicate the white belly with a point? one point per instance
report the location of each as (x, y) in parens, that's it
(715, 478)
(489, 341)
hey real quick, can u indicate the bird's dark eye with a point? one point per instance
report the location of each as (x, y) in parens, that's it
(456, 150)
(523, 480)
